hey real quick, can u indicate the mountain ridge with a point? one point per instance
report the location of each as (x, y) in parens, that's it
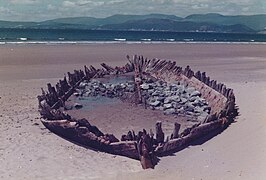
(211, 22)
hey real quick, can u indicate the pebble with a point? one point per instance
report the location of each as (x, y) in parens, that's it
(169, 111)
(78, 106)
(155, 103)
(76, 94)
(68, 107)
(195, 93)
(167, 106)
(145, 86)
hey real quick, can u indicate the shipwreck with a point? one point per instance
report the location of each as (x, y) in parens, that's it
(152, 84)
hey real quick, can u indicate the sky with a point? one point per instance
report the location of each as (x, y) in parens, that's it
(39, 10)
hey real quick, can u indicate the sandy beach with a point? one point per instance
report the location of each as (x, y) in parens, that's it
(29, 151)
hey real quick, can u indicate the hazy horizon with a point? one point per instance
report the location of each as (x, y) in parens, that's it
(37, 10)
(127, 14)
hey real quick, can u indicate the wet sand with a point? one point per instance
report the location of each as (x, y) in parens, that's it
(29, 151)
(127, 117)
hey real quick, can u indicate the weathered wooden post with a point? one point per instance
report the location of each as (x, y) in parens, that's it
(159, 132)
(138, 79)
(176, 131)
(145, 150)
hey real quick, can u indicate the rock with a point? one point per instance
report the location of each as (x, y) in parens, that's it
(68, 107)
(131, 88)
(161, 99)
(95, 82)
(198, 110)
(193, 98)
(167, 106)
(150, 91)
(195, 93)
(197, 103)
(88, 88)
(189, 107)
(190, 90)
(190, 113)
(145, 93)
(118, 87)
(183, 100)
(82, 85)
(149, 80)
(167, 93)
(112, 86)
(96, 88)
(180, 110)
(156, 93)
(155, 103)
(76, 94)
(161, 95)
(145, 86)
(175, 104)
(181, 87)
(159, 108)
(169, 111)
(173, 87)
(167, 88)
(178, 92)
(87, 93)
(123, 86)
(167, 100)
(207, 109)
(78, 106)
(184, 94)
(175, 98)
(102, 89)
(160, 89)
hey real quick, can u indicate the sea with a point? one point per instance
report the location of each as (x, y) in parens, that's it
(77, 36)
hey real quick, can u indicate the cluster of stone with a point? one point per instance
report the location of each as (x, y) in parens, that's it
(174, 98)
(111, 90)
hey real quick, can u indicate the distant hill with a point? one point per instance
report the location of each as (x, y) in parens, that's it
(14, 24)
(179, 26)
(160, 22)
(115, 19)
(256, 22)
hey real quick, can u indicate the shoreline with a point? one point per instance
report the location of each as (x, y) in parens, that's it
(127, 42)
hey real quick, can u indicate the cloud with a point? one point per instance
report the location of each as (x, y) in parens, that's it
(38, 9)
(68, 4)
(51, 7)
(115, 1)
(82, 3)
(200, 6)
(23, 1)
(4, 10)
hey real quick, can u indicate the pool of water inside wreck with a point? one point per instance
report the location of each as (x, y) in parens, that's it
(111, 115)
(92, 102)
